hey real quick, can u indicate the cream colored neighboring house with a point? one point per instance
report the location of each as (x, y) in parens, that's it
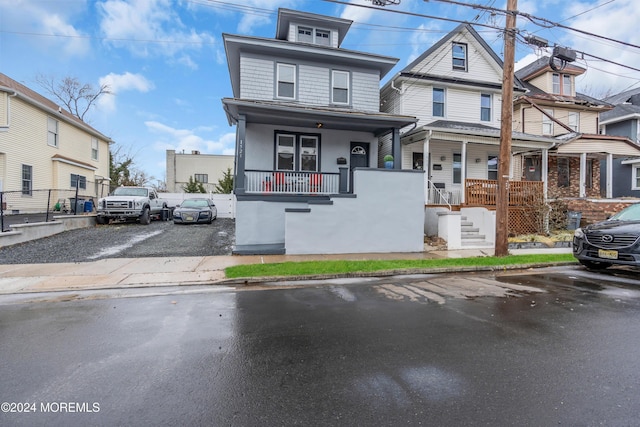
(44, 147)
(204, 168)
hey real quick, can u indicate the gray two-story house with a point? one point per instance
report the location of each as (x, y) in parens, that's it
(307, 122)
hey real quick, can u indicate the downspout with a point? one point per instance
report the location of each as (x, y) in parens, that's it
(393, 86)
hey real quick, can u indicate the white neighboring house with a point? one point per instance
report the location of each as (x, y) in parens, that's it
(454, 89)
(44, 147)
(204, 168)
(307, 123)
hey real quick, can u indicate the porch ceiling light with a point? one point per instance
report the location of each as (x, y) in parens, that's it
(478, 160)
(319, 125)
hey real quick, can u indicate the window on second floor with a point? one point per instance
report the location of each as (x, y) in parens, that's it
(27, 179)
(485, 107)
(286, 81)
(566, 85)
(438, 102)
(636, 178)
(340, 87)
(459, 56)
(547, 123)
(52, 132)
(202, 178)
(574, 121)
(78, 181)
(94, 148)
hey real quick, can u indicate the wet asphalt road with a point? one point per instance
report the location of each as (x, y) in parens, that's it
(555, 346)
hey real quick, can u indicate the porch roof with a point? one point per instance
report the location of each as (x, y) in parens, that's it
(279, 113)
(577, 143)
(474, 132)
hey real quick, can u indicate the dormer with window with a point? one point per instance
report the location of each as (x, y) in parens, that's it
(303, 27)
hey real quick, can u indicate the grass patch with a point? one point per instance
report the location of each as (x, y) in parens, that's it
(306, 268)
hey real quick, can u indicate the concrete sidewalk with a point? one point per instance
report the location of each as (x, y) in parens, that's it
(120, 273)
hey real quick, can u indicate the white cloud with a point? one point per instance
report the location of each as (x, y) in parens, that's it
(186, 140)
(47, 18)
(119, 83)
(150, 28)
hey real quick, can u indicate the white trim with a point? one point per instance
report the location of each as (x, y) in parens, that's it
(71, 162)
(634, 177)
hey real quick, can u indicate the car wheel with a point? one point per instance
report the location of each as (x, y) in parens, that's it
(101, 220)
(145, 218)
(595, 265)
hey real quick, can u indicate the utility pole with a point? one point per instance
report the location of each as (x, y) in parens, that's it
(506, 128)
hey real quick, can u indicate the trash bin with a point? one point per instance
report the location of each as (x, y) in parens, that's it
(88, 206)
(165, 214)
(77, 205)
(573, 220)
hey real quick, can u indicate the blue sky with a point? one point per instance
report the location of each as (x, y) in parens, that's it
(165, 62)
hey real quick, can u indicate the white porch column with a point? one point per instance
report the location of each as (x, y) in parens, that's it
(426, 167)
(545, 173)
(583, 175)
(463, 171)
(609, 176)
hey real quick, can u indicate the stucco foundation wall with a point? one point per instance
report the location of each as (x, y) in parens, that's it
(386, 215)
(261, 222)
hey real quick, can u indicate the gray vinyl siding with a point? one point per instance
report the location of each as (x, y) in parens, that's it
(314, 85)
(365, 91)
(313, 82)
(257, 78)
(627, 128)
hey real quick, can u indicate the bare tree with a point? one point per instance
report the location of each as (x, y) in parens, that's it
(77, 98)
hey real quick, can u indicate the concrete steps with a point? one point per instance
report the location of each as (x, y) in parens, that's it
(471, 236)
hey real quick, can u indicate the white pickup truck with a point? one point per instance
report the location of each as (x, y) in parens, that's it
(128, 203)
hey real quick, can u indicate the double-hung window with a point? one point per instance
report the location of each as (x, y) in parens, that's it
(27, 179)
(308, 153)
(305, 34)
(78, 181)
(438, 102)
(636, 178)
(566, 85)
(286, 81)
(457, 168)
(340, 87)
(556, 83)
(296, 152)
(485, 107)
(323, 37)
(574, 120)
(94, 148)
(52, 132)
(492, 167)
(547, 123)
(459, 56)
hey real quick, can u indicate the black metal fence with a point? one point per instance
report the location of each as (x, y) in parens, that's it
(17, 207)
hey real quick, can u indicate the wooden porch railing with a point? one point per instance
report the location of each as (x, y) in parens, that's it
(482, 192)
(286, 182)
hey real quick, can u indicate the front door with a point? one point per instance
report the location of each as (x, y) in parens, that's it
(359, 158)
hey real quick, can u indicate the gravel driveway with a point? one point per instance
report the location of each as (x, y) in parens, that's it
(159, 239)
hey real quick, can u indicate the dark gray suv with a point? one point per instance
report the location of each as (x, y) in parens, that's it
(614, 241)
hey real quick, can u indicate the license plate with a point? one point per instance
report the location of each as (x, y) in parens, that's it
(188, 218)
(602, 253)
